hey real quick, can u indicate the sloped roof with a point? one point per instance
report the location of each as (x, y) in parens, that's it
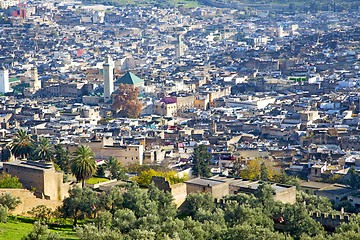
(130, 78)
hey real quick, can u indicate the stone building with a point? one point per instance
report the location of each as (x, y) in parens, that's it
(40, 177)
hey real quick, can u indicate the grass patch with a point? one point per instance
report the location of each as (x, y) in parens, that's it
(18, 227)
(95, 180)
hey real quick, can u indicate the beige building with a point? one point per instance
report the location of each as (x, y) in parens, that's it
(218, 189)
(41, 176)
(283, 193)
(106, 147)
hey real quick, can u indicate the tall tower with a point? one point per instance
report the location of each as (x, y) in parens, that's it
(4, 81)
(35, 83)
(108, 71)
(179, 48)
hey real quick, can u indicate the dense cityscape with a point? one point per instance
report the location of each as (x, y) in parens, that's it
(179, 120)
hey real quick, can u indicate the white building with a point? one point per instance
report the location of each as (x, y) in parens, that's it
(108, 71)
(5, 4)
(4, 81)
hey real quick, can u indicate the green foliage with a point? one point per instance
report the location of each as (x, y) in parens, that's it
(171, 176)
(62, 157)
(100, 171)
(44, 151)
(41, 232)
(22, 145)
(299, 222)
(41, 213)
(3, 214)
(6, 181)
(138, 201)
(201, 160)
(112, 200)
(248, 232)
(105, 120)
(116, 169)
(163, 200)
(196, 201)
(9, 201)
(81, 203)
(103, 219)
(83, 164)
(91, 232)
(354, 178)
(139, 214)
(314, 203)
(124, 220)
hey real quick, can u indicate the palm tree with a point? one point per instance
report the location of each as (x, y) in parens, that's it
(83, 164)
(22, 144)
(116, 169)
(44, 150)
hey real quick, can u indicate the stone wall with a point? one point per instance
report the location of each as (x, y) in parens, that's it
(28, 201)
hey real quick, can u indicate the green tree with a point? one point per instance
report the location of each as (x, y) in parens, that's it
(354, 179)
(3, 214)
(81, 203)
(83, 164)
(91, 232)
(100, 171)
(41, 213)
(62, 157)
(164, 201)
(264, 173)
(112, 200)
(9, 201)
(124, 220)
(41, 232)
(117, 171)
(6, 181)
(195, 201)
(103, 219)
(297, 221)
(138, 201)
(247, 232)
(201, 160)
(265, 193)
(44, 150)
(22, 145)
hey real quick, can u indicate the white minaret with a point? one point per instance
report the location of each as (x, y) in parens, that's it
(4, 81)
(35, 83)
(108, 71)
(179, 48)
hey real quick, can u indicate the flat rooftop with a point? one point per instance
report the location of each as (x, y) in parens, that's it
(30, 164)
(205, 182)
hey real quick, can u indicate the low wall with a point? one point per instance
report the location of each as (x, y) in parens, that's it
(28, 201)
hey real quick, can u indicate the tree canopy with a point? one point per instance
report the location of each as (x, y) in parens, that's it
(83, 164)
(126, 102)
(201, 161)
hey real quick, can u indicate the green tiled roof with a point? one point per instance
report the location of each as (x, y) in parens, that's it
(130, 78)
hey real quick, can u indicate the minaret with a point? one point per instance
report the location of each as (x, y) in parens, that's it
(35, 83)
(4, 80)
(179, 48)
(108, 71)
